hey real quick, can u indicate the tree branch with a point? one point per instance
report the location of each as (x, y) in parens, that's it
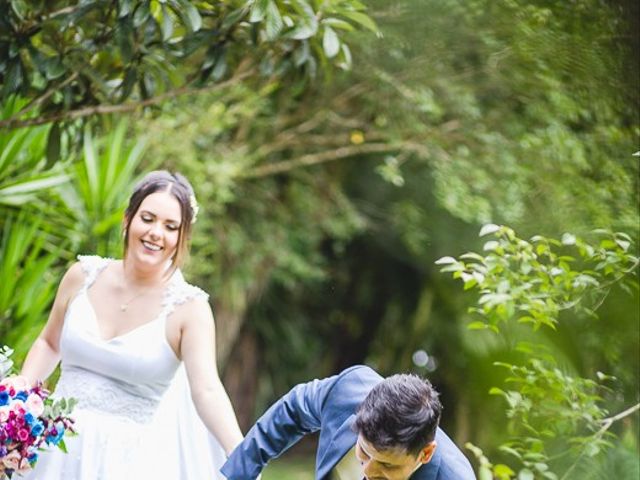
(316, 158)
(42, 98)
(606, 424)
(13, 123)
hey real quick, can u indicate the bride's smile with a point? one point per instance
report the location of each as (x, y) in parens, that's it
(154, 230)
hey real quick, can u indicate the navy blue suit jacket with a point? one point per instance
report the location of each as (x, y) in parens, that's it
(328, 405)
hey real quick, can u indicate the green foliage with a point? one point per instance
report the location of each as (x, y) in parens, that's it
(30, 245)
(56, 408)
(67, 56)
(103, 181)
(27, 275)
(24, 168)
(550, 406)
(620, 461)
(532, 282)
(259, 244)
(557, 418)
(52, 212)
(514, 108)
(455, 137)
(235, 130)
(489, 471)
(323, 209)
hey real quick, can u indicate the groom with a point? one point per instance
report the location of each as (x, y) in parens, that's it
(379, 429)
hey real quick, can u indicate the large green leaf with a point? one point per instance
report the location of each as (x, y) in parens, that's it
(29, 273)
(25, 170)
(19, 191)
(102, 181)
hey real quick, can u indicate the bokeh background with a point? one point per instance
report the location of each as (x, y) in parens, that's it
(327, 193)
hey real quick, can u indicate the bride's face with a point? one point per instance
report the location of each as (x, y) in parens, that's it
(154, 230)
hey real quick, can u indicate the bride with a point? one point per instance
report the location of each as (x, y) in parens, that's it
(126, 332)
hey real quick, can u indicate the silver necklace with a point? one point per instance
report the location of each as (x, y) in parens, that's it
(125, 305)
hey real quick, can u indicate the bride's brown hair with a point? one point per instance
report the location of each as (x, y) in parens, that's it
(178, 186)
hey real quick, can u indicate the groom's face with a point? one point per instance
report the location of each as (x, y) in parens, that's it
(391, 464)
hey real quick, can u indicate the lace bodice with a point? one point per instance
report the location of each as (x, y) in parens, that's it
(125, 375)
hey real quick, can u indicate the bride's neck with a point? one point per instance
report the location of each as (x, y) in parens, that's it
(133, 276)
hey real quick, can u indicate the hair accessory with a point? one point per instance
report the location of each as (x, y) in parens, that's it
(195, 208)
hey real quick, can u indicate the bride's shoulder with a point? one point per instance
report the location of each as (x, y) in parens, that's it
(72, 280)
(190, 299)
(82, 271)
(180, 291)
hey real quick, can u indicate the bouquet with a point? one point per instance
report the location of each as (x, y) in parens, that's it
(30, 421)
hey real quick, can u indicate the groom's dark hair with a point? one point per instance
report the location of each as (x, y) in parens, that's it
(401, 412)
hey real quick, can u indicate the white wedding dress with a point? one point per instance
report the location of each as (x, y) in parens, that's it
(134, 417)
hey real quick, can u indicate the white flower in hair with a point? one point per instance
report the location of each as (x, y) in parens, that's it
(195, 208)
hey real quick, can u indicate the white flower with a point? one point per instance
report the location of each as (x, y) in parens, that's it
(195, 208)
(6, 364)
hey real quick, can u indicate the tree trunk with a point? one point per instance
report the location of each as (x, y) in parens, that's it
(241, 378)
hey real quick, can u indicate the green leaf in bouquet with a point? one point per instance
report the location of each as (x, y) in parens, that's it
(68, 406)
(63, 446)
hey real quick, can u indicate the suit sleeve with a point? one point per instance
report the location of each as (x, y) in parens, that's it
(296, 414)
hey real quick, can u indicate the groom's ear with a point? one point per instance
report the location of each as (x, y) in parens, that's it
(427, 452)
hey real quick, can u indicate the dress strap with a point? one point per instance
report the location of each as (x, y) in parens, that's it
(179, 292)
(92, 265)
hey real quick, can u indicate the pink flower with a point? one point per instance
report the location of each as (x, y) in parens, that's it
(18, 382)
(4, 414)
(24, 466)
(17, 406)
(11, 460)
(35, 405)
(23, 434)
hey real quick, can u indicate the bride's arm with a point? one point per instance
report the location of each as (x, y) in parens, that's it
(44, 354)
(210, 398)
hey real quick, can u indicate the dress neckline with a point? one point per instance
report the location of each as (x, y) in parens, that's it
(96, 323)
(165, 309)
(123, 336)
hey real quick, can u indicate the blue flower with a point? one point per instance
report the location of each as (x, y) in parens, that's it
(29, 418)
(21, 396)
(55, 439)
(37, 428)
(4, 398)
